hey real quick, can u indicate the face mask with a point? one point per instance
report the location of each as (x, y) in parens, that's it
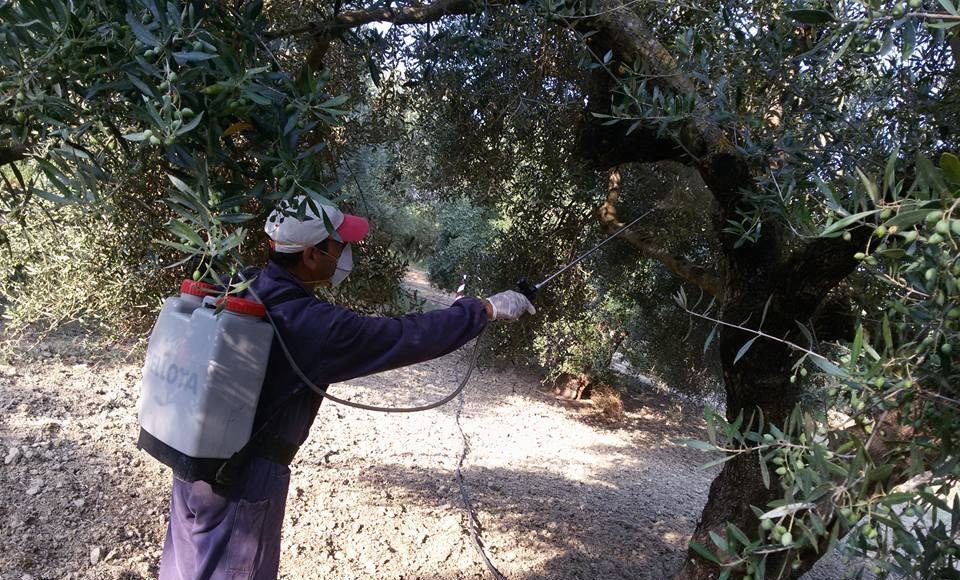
(344, 266)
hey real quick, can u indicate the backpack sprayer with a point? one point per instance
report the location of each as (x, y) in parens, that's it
(205, 365)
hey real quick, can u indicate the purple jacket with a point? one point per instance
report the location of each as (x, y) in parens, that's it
(331, 344)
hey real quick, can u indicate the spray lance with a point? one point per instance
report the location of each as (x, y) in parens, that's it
(524, 287)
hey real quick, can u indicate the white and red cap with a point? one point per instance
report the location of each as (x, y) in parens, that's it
(289, 235)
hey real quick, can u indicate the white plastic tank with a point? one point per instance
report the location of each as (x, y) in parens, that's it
(203, 373)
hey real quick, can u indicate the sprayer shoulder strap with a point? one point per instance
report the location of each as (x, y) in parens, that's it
(285, 296)
(265, 442)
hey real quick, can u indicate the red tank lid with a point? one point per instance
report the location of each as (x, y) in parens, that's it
(244, 306)
(195, 288)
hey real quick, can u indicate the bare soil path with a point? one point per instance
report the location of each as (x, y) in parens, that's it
(560, 493)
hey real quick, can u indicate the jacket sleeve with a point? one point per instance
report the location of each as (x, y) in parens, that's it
(350, 345)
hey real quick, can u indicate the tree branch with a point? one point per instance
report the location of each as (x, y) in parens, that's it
(632, 40)
(420, 14)
(698, 141)
(606, 146)
(815, 269)
(696, 275)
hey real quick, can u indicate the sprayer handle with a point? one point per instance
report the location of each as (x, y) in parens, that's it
(524, 287)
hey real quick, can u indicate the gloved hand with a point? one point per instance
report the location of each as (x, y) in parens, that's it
(509, 305)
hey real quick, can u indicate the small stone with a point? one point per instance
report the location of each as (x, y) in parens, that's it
(96, 553)
(33, 489)
(79, 503)
(26, 577)
(12, 456)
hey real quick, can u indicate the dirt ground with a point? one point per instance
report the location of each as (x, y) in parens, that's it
(560, 492)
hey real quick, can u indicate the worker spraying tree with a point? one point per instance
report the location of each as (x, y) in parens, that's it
(226, 512)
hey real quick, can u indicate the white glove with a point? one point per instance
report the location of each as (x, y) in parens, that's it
(510, 305)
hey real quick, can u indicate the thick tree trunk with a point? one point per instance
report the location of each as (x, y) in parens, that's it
(757, 383)
(768, 289)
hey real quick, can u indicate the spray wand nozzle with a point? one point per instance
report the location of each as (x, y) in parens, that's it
(524, 287)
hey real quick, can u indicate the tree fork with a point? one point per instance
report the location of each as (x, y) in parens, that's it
(680, 266)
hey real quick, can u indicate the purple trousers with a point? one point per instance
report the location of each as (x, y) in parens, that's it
(216, 533)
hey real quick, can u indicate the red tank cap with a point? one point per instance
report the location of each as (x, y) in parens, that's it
(244, 306)
(195, 288)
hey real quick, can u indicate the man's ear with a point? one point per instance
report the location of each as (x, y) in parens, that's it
(310, 256)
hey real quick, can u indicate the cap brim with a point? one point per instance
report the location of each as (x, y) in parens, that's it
(353, 229)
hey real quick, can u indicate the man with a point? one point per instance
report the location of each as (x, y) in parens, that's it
(234, 531)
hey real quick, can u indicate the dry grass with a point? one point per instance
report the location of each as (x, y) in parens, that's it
(608, 400)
